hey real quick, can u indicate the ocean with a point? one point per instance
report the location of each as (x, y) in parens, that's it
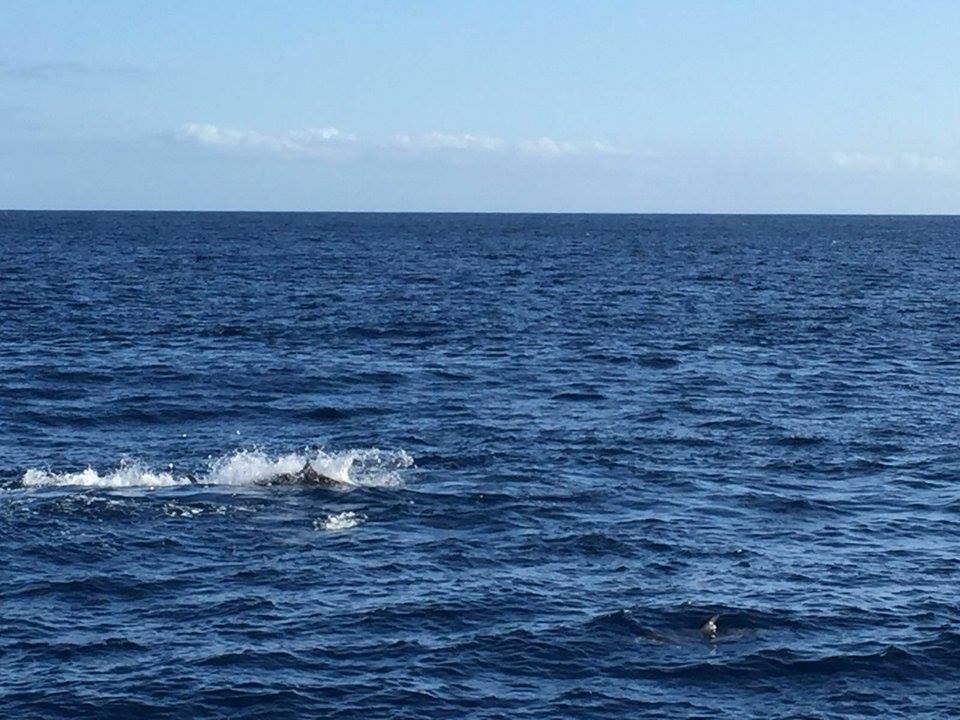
(563, 443)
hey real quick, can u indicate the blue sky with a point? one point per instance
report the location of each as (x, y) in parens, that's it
(775, 106)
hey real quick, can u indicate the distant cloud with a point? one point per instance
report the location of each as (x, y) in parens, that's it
(326, 140)
(68, 70)
(543, 147)
(860, 161)
(603, 148)
(450, 141)
(872, 162)
(548, 147)
(311, 141)
(927, 163)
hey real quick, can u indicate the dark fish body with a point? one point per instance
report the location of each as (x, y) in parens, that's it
(305, 476)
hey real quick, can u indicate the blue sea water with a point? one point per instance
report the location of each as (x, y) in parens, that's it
(566, 441)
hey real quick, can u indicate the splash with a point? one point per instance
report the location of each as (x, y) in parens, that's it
(128, 474)
(370, 467)
(340, 521)
(248, 467)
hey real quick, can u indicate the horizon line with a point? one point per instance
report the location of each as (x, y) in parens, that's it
(727, 213)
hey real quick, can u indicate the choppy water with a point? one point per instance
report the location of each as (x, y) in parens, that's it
(566, 442)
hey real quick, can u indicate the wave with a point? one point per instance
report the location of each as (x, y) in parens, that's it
(370, 467)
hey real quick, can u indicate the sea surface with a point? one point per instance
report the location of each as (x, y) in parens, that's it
(564, 442)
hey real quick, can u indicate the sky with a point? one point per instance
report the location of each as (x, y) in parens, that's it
(659, 106)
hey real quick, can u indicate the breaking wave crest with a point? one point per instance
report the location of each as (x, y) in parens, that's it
(369, 467)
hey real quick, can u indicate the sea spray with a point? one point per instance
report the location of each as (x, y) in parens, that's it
(370, 467)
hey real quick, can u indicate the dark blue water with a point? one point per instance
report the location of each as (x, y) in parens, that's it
(565, 441)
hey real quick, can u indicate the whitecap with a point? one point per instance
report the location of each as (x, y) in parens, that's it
(340, 521)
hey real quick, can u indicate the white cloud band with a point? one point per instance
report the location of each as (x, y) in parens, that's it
(869, 162)
(312, 141)
(323, 141)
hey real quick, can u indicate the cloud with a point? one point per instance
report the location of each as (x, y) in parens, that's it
(324, 141)
(927, 163)
(68, 70)
(542, 147)
(311, 141)
(450, 141)
(861, 161)
(548, 147)
(868, 162)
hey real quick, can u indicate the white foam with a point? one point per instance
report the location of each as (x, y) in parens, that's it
(129, 474)
(173, 509)
(340, 521)
(246, 467)
(368, 468)
(365, 467)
